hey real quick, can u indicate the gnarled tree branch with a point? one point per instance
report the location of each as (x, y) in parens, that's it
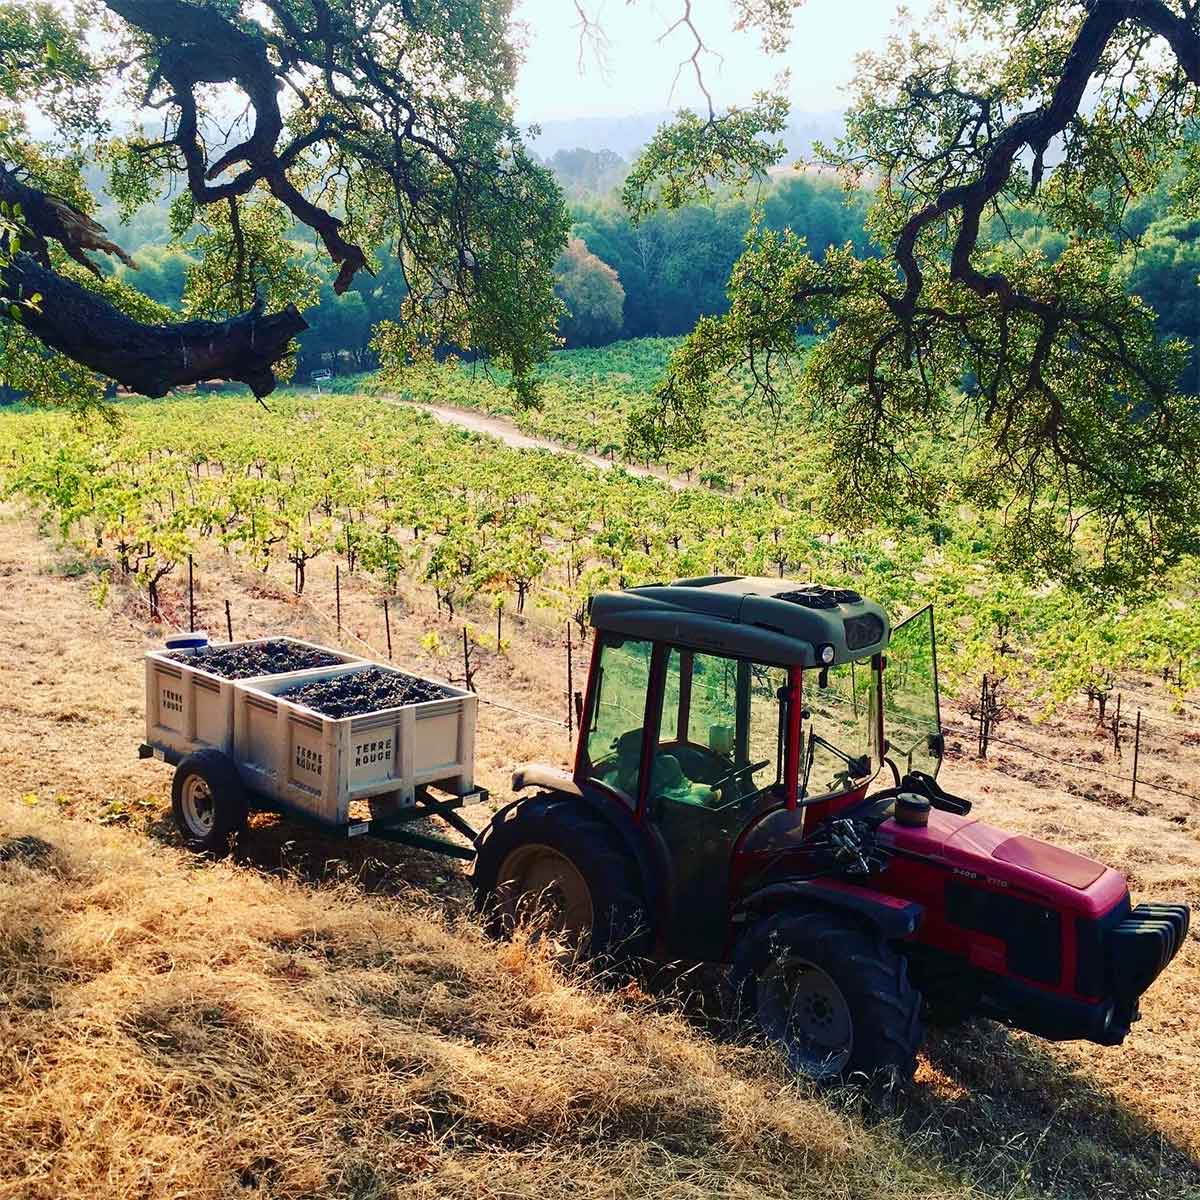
(150, 359)
(83, 325)
(1034, 130)
(199, 46)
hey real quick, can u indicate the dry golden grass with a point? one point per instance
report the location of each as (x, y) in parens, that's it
(320, 1018)
(171, 1029)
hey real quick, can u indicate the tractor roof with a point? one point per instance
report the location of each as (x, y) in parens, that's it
(771, 620)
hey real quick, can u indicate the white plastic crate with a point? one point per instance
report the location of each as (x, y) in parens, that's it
(321, 765)
(188, 707)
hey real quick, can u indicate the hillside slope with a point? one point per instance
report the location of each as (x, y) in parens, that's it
(322, 1019)
(168, 1031)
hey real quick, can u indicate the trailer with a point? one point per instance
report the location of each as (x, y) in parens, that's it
(241, 745)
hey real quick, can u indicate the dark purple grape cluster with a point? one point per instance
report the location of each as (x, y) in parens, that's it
(364, 691)
(272, 657)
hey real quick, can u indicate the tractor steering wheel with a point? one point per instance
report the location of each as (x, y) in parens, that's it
(736, 773)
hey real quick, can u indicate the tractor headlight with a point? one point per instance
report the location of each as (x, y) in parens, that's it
(825, 654)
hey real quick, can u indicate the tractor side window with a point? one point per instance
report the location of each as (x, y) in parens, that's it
(614, 736)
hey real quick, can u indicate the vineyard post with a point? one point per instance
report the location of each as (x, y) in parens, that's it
(979, 735)
(1117, 727)
(499, 613)
(570, 684)
(191, 598)
(228, 621)
(983, 717)
(387, 625)
(337, 587)
(467, 675)
(1137, 746)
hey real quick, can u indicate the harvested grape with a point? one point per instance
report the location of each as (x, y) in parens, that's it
(272, 657)
(364, 691)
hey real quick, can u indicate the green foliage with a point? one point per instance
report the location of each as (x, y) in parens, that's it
(44, 61)
(478, 522)
(592, 294)
(1022, 346)
(1163, 269)
(241, 256)
(686, 159)
(376, 125)
(162, 273)
(675, 265)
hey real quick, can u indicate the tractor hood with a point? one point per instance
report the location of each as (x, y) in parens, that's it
(974, 850)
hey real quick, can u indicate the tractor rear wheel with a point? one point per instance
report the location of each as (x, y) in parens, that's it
(549, 862)
(834, 997)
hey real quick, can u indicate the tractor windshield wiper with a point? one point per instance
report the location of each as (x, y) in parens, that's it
(857, 764)
(817, 739)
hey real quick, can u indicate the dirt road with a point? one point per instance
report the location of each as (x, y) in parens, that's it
(505, 431)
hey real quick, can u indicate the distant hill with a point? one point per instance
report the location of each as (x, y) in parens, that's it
(627, 135)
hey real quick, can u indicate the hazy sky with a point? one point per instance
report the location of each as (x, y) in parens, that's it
(827, 35)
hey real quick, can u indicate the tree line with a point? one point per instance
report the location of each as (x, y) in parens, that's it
(617, 279)
(655, 278)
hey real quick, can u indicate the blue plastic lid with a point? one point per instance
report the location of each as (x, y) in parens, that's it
(187, 641)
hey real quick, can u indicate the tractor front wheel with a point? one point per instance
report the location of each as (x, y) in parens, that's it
(833, 997)
(551, 863)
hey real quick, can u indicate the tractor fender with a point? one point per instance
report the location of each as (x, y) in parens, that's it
(891, 917)
(607, 805)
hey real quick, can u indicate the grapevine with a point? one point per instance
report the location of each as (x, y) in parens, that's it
(394, 494)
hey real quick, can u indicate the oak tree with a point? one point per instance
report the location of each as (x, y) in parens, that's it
(1046, 377)
(592, 295)
(362, 123)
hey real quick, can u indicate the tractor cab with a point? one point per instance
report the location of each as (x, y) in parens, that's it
(715, 705)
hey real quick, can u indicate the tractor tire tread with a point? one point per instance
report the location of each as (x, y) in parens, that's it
(885, 1006)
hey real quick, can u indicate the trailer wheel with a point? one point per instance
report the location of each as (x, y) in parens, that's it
(208, 801)
(832, 996)
(549, 862)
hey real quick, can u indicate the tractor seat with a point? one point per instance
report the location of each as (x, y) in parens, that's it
(669, 780)
(667, 777)
(623, 774)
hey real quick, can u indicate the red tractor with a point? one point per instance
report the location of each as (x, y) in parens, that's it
(721, 809)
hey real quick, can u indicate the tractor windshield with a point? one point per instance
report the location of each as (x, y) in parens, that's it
(912, 714)
(721, 734)
(840, 719)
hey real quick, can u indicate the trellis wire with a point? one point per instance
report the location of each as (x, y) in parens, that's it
(1160, 787)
